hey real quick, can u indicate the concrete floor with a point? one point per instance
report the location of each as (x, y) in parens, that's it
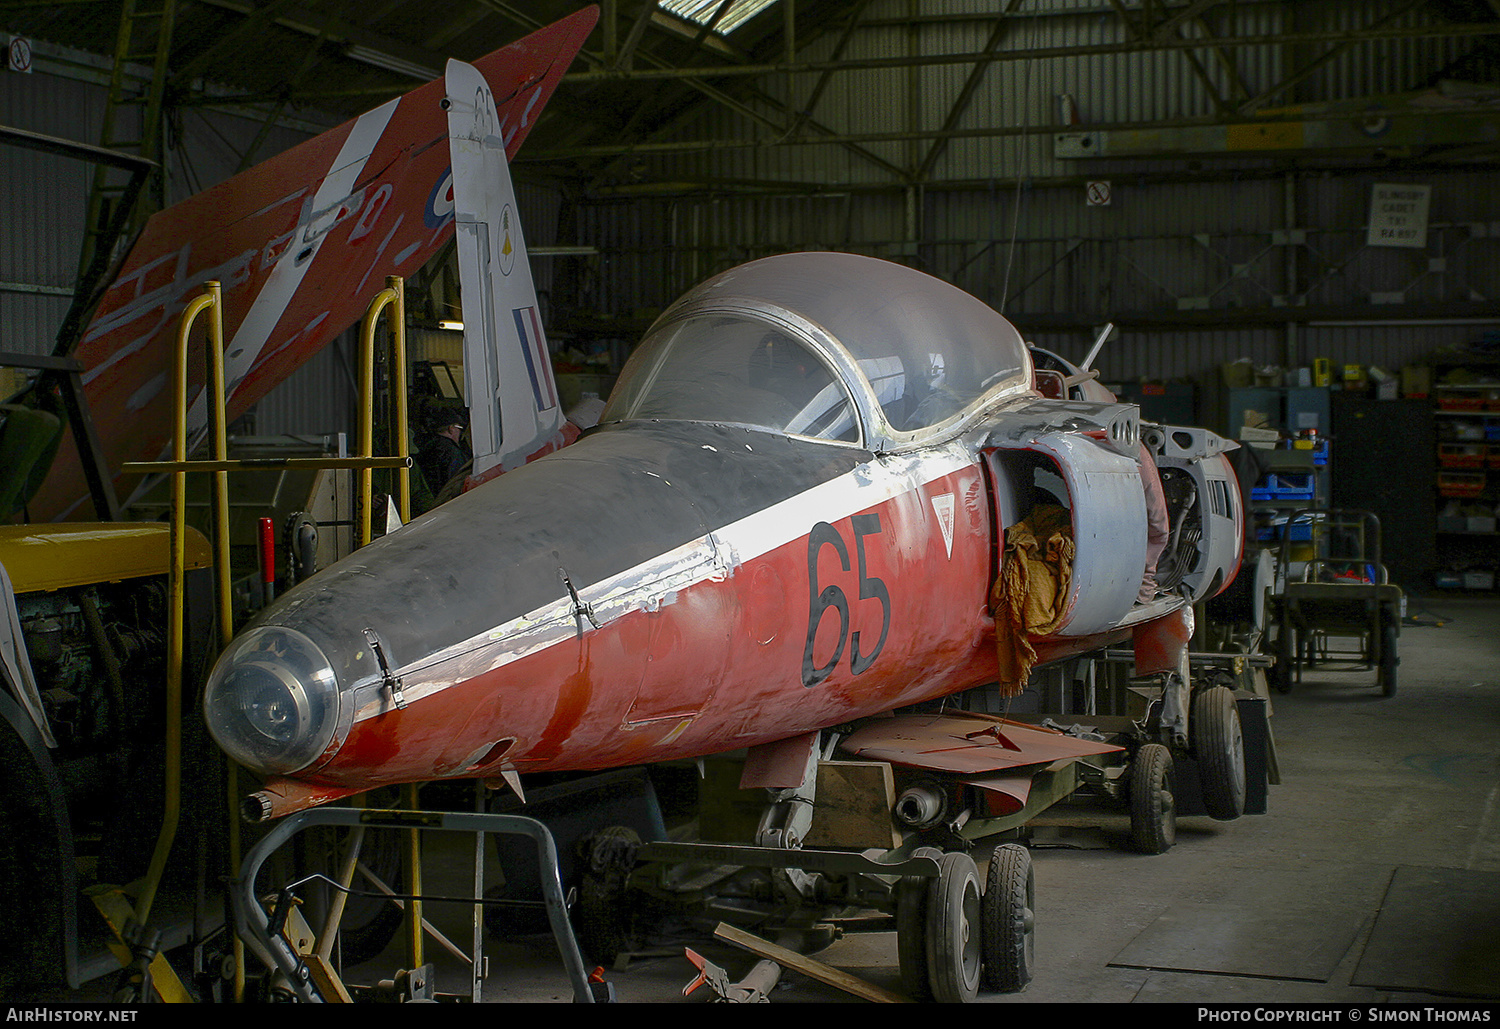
(1373, 878)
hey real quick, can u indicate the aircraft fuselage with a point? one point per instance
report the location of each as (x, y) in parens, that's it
(810, 585)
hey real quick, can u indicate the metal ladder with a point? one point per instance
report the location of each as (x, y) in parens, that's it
(144, 38)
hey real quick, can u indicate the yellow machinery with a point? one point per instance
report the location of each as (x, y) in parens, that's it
(82, 739)
(116, 793)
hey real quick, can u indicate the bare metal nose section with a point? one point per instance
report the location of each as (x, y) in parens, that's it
(272, 701)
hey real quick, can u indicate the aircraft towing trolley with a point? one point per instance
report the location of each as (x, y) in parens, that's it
(1332, 586)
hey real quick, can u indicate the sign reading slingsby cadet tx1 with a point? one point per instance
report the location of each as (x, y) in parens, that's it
(1398, 215)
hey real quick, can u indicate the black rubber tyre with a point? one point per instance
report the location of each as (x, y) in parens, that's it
(911, 937)
(1153, 809)
(33, 852)
(1219, 746)
(370, 923)
(911, 930)
(954, 950)
(1009, 920)
(1390, 656)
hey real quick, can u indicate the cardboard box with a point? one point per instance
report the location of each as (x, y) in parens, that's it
(1238, 374)
(1264, 439)
(1416, 380)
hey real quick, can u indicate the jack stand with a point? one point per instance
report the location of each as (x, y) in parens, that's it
(262, 929)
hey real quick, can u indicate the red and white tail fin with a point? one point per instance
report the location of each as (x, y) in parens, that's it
(514, 410)
(300, 243)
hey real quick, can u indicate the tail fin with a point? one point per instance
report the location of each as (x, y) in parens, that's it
(300, 243)
(514, 410)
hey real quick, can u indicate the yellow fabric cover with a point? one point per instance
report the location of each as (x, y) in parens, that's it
(1030, 597)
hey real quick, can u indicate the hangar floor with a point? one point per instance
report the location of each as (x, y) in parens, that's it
(1373, 878)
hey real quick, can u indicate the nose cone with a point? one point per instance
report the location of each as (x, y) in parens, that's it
(272, 701)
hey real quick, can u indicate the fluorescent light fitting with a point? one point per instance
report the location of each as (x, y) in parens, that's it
(701, 12)
(453, 326)
(386, 62)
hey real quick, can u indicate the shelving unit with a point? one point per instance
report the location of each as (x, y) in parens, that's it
(1292, 481)
(1468, 484)
(1292, 478)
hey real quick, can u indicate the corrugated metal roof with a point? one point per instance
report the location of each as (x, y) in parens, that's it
(895, 128)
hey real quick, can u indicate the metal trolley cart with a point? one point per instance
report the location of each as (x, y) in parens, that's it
(1339, 592)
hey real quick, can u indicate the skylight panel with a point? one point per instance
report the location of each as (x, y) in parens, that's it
(702, 12)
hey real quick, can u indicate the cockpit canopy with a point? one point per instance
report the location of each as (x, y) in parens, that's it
(824, 345)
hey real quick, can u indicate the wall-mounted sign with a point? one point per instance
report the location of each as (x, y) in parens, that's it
(18, 54)
(1398, 215)
(1098, 194)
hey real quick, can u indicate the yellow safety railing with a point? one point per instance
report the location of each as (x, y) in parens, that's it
(393, 295)
(211, 301)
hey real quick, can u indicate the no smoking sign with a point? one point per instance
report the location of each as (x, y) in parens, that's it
(18, 54)
(1098, 194)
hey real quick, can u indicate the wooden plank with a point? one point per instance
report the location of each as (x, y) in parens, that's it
(826, 974)
(327, 980)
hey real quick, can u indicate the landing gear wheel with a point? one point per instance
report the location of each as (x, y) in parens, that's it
(604, 920)
(1219, 745)
(1390, 632)
(911, 930)
(954, 957)
(1153, 810)
(1009, 920)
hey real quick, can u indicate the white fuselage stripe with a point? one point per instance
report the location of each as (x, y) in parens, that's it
(709, 557)
(286, 278)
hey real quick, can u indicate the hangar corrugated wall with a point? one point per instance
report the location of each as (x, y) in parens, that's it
(1192, 243)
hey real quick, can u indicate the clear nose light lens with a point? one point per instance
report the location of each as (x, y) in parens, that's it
(272, 700)
(270, 703)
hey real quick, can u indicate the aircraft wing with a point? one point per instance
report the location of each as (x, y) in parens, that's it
(300, 244)
(514, 411)
(994, 754)
(964, 743)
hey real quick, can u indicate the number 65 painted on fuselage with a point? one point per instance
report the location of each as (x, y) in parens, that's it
(832, 596)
